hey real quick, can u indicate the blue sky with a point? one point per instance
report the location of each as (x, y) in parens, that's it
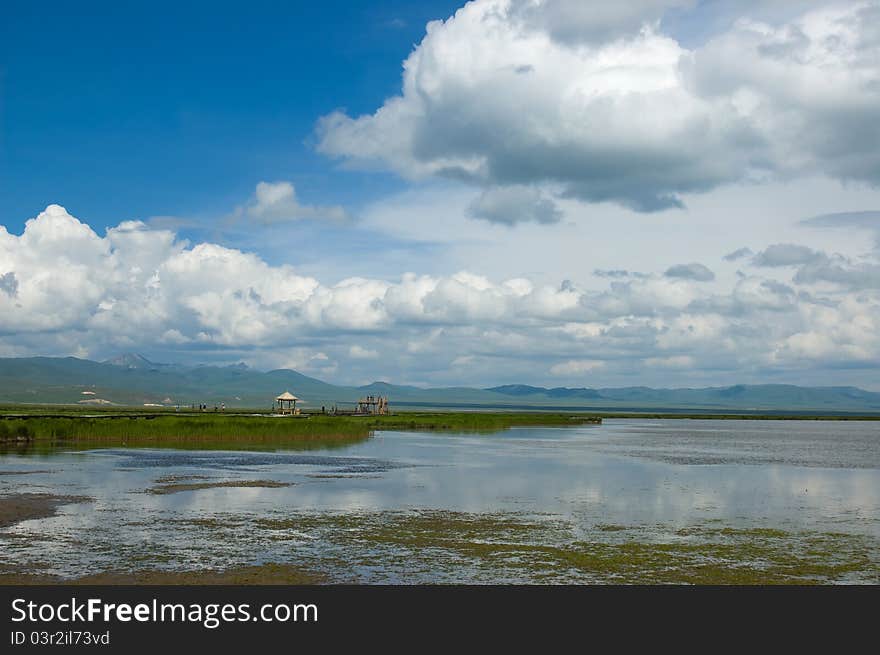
(127, 110)
(559, 192)
(166, 108)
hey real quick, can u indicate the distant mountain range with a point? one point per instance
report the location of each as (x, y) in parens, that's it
(131, 379)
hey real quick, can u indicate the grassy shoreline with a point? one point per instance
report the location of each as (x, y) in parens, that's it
(47, 428)
(232, 430)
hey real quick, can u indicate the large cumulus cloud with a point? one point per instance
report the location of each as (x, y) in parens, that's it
(67, 290)
(603, 106)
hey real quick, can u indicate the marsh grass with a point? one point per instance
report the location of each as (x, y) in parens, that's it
(217, 431)
(485, 422)
(178, 427)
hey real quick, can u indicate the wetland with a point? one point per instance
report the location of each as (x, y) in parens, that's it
(630, 500)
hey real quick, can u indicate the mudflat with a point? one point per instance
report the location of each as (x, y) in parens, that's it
(16, 508)
(195, 486)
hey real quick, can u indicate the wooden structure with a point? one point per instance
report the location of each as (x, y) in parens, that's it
(287, 403)
(372, 406)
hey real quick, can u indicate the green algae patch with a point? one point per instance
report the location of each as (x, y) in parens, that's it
(744, 562)
(440, 546)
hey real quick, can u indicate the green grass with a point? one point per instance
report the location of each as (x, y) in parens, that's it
(43, 433)
(202, 432)
(473, 421)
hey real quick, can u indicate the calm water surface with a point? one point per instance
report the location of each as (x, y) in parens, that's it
(792, 475)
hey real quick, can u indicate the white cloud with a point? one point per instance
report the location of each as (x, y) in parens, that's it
(676, 361)
(816, 266)
(866, 222)
(785, 254)
(359, 352)
(575, 367)
(141, 288)
(590, 102)
(275, 202)
(515, 204)
(739, 253)
(577, 22)
(693, 271)
(9, 284)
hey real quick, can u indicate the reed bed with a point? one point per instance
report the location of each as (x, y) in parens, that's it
(35, 433)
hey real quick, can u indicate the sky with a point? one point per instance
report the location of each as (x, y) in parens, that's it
(551, 192)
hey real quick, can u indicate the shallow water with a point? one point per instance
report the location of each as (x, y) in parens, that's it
(652, 476)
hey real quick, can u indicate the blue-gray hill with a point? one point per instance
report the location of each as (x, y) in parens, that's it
(134, 380)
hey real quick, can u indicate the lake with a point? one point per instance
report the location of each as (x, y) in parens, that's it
(631, 500)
